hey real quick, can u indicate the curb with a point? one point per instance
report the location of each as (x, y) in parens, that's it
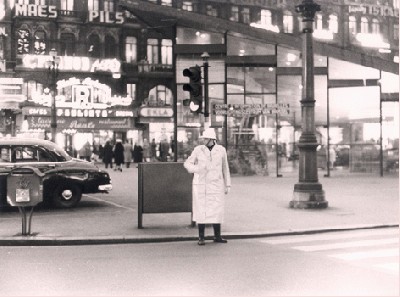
(32, 240)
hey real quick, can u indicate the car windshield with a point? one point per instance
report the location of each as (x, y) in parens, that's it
(58, 153)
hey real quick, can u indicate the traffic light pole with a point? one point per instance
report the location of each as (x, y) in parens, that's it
(205, 57)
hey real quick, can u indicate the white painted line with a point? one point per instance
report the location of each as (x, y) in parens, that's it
(320, 237)
(110, 202)
(369, 254)
(344, 245)
(390, 267)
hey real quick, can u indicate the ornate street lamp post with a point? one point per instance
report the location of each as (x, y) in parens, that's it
(308, 192)
(53, 73)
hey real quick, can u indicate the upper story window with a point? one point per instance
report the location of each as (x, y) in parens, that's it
(67, 44)
(93, 5)
(266, 17)
(166, 51)
(110, 47)
(333, 23)
(212, 11)
(160, 94)
(35, 2)
(364, 25)
(246, 15)
(166, 2)
(94, 46)
(131, 91)
(234, 14)
(130, 49)
(288, 22)
(318, 22)
(188, 6)
(152, 51)
(23, 41)
(376, 27)
(108, 5)
(67, 5)
(352, 25)
(396, 32)
(39, 43)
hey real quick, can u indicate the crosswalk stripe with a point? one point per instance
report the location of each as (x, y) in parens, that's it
(393, 266)
(342, 245)
(367, 254)
(320, 237)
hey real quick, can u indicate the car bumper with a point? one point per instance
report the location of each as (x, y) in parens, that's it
(105, 187)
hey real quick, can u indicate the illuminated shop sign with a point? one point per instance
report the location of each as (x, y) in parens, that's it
(82, 94)
(80, 123)
(240, 110)
(50, 11)
(77, 113)
(157, 112)
(73, 63)
(376, 10)
(11, 89)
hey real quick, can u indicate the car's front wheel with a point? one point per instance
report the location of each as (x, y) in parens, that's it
(67, 195)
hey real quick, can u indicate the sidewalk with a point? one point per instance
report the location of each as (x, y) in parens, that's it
(256, 206)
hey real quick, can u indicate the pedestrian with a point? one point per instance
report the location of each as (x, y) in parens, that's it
(108, 154)
(211, 181)
(153, 150)
(127, 153)
(118, 155)
(137, 153)
(85, 152)
(146, 150)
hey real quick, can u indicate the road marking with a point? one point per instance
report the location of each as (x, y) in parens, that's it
(320, 237)
(365, 255)
(343, 245)
(110, 202)
(391, 267)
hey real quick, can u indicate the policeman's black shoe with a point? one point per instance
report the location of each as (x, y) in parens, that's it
(201, 241)
(219, 239)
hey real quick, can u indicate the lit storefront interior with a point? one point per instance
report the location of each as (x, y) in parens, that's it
(348, 110)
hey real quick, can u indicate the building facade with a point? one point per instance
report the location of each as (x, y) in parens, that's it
(119, 75)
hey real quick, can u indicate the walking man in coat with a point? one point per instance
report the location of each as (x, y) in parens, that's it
(211, 181)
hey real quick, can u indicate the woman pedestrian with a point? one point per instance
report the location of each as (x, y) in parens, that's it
(108, 154)
(127, 153)
(211, 181)
(118, 155)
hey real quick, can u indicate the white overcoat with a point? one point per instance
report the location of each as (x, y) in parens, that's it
(211, 176)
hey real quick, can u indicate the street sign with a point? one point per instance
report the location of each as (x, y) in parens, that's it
(240, 110)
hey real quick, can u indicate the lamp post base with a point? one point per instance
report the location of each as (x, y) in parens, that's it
(308, 196)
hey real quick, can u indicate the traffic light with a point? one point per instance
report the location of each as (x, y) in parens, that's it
(195, 88)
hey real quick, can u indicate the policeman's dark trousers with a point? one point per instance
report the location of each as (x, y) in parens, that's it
(217, 230)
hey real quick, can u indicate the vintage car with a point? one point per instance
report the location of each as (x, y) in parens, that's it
(64, 178)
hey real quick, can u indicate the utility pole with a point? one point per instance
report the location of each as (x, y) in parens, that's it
(308, 192)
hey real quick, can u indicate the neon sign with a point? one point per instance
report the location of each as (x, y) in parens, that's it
(73, 63)
(83, 94)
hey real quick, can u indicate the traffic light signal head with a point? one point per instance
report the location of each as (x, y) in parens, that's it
(195, 88)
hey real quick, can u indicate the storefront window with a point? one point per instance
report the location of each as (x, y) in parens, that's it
(160, 96)
(364, 25)
(234, 14)
(188, 6)
(239, 46)
(333, 23)
(375, 27)
(212, 11)
(246, 15)
(110, 47)
(193, 36)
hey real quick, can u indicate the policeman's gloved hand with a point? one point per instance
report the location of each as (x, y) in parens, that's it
(227, 189)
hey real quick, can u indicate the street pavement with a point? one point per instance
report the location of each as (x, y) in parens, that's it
(257, 206)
